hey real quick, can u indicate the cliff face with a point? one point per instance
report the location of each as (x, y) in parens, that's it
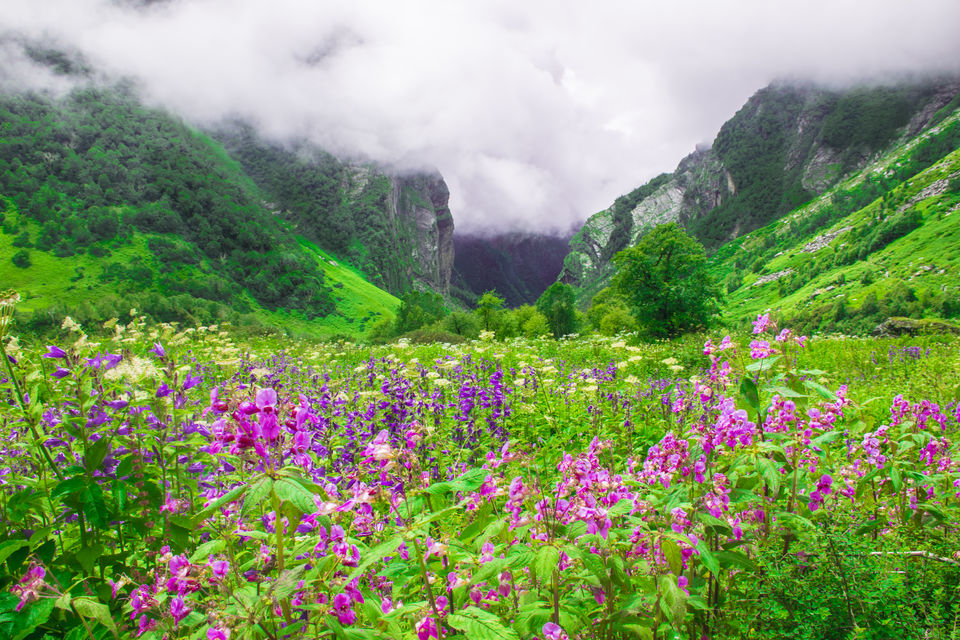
(396, 228)
(420, 207)
(786, 145)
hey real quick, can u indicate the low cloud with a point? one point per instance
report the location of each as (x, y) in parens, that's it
(537, 113)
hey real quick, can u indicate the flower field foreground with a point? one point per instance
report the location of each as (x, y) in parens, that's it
(178, 485)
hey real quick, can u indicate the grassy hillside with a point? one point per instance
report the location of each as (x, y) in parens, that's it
(885, 242)
(108, 205)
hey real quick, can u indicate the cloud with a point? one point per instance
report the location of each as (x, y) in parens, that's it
(537, 113)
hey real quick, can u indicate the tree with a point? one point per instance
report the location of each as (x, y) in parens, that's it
(558, 305)
(488, 307)
(665, 282)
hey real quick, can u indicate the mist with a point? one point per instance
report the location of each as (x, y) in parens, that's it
(537, 114)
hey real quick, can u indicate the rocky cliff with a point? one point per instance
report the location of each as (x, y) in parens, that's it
(395, 227)
(786, 145)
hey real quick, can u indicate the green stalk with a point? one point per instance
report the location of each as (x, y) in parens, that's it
(28, 416)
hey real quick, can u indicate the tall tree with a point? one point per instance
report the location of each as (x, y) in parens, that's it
(558, 305)
(665, 282)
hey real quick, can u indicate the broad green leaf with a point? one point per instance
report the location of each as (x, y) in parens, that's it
(546, 562)
(296, 494)
(92, 609)
(671, 551)
(216, 505)
(748, 391)
(207, 549)
(783, 392)
(478, 624)
(69, 486)
(378, 553)
(88, 556)
(258, 492)
(96, 454)
(771, 475)
(735, 559)
(871, 526)
(674, 601)
(707, 558)
(819, 388)
(9, 546)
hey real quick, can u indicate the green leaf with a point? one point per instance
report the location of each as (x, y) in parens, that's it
(88, 556)
(216, 505)
(674, 600)
(296, 494)
(749, 392)
(69, 486)
(896, 479)
(783, 392)
(207, 549)
(771, 475)
(735, 559)
(671, 551)
(819, 388)
(546, 562)
(378, 553)
(96, 454)
(763, 365)
(92, 609)
(707, 558)
(481, 625)
(594, 564)
(9, 546)
(869, 527)
(260, 490)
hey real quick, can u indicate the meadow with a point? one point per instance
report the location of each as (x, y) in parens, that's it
(167, 482)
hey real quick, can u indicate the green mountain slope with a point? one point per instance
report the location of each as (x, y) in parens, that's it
(787, 145)
(108, 204)
(885, 242)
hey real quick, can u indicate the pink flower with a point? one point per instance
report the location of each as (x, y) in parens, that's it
(553, 631)
(761, 323)
(216, 633)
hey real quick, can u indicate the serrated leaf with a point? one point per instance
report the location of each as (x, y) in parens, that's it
(207, 549)
(771, 475)
(88, 556)
(96, 454)
(783, 392)
(69, 486)
(478, 624)
(870, 527)
(825, 393)
(749, 392)
(296, 494)
(258, 492)
(546, 562)
(735, 559)
(378, 553)
(91, 609)
(707, 558)
(671, 551)
(228, 497)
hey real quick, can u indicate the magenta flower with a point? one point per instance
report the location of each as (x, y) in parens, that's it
(761, 323)
(552, 631)
(216, 633)
(179, 610)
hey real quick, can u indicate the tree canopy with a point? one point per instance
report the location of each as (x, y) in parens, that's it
(665, 283)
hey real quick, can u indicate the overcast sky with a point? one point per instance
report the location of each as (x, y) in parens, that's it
(537, 112)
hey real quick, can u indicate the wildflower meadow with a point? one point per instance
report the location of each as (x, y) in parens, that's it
(161, 482)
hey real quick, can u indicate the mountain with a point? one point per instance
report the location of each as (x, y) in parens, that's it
(396, 227)
(106, 204)
(517, 266)
(788, 144)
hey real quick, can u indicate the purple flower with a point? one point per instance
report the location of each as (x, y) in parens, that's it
(158, 350)
(552, 631)
(191, 382)
(60, 373)
(216, 633)
(179, 610)
(54, 352)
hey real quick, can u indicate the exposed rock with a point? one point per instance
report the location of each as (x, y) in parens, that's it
(822, 241)
(892, 327)
(771, 277)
